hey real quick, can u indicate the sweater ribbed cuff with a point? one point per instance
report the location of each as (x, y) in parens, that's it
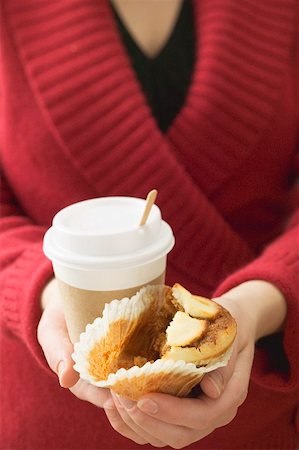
(281, 268)
(21, 293)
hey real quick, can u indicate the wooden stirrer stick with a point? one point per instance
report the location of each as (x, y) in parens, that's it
(150, 200)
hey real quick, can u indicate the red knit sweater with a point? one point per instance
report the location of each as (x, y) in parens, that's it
(75, 125)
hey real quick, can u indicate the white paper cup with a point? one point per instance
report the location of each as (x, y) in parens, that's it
(100, 253)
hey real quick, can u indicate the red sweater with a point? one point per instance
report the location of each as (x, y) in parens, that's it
(75, 125)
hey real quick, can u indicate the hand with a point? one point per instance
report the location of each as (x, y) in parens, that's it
(165, 420)
(162, 419)
(54, 339)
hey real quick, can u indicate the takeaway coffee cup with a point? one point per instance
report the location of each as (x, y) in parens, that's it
(100, 253)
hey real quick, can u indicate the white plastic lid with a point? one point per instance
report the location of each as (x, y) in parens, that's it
(105, 232)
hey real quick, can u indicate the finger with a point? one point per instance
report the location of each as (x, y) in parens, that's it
(204, 412)
(156, 432)
(92, 394)
(214, 383)
(119, 425)
(53, 337)
(141, 433)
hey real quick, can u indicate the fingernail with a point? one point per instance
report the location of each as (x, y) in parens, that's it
(217, 380)
(109, 404)
(148, 406)
(125, 402)
(59, 370)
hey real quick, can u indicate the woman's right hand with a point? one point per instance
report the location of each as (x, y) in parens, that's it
(53, 337)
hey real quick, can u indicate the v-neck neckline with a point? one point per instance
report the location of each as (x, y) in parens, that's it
(122, 52)
(137, 48)
(165, 78)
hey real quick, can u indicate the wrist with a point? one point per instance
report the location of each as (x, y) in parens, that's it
(263, 304)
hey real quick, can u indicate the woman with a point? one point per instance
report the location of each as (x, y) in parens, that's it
(200, 100)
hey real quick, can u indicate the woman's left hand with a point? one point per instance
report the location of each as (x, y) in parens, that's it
(162, 420)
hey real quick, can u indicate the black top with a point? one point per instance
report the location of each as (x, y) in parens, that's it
(166, 77)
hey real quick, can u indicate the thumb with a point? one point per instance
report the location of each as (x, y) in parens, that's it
(53, 337)
(214, 383)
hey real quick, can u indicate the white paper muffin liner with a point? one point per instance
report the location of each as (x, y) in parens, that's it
(164, 366)
(127, 309)
(162, 375)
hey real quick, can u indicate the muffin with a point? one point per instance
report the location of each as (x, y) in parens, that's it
(160, 340)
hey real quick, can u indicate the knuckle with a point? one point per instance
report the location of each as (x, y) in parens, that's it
(243, 397)
(77, 391)
(240, 393)
(240, 398)
(229, 417)
(91, 394)
(176, 445)
(157, 444)
(78, 395)
(233, 415)
(180, 440)
(179, 444)
(118, 425)
(137, 440)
